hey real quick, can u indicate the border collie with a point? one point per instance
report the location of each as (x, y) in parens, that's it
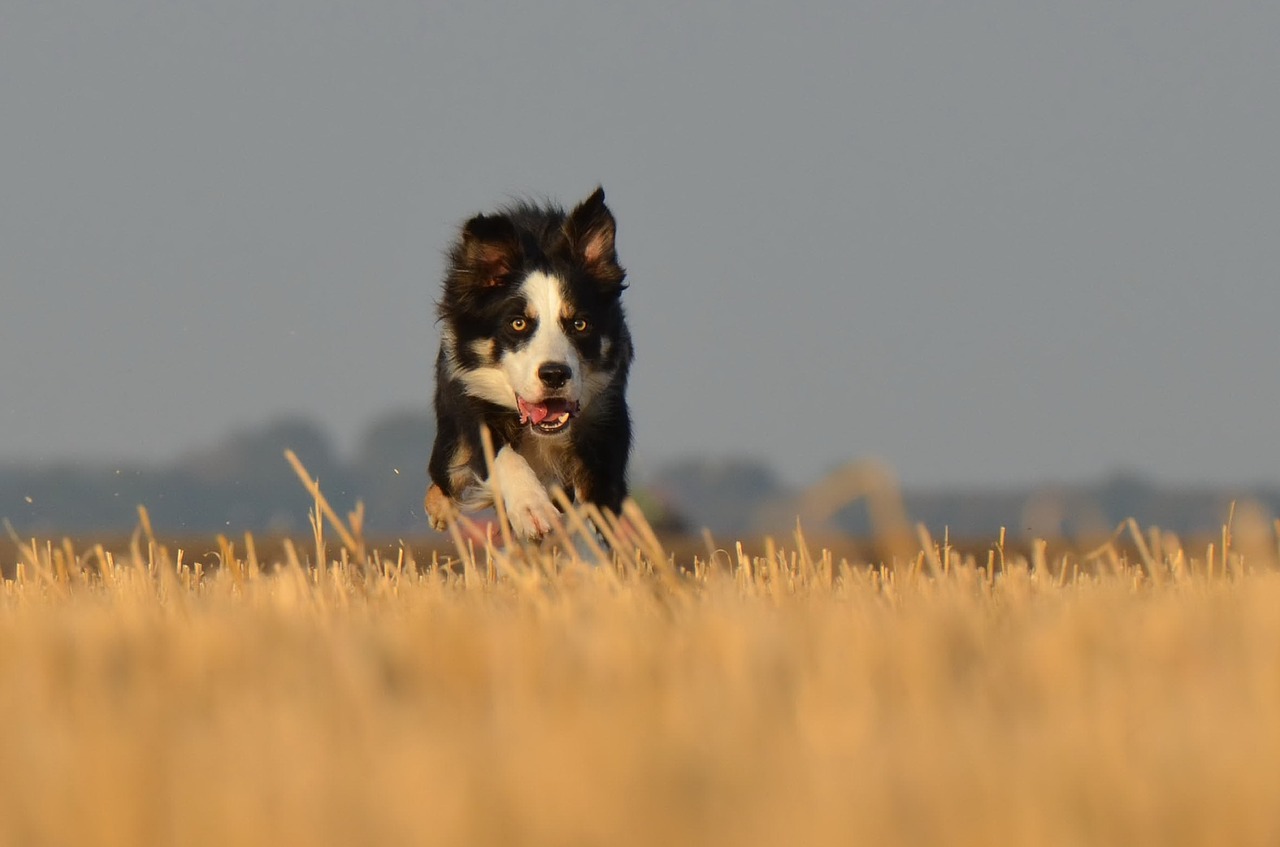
(534, 345)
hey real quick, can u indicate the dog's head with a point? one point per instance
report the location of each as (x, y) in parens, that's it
(532, 311)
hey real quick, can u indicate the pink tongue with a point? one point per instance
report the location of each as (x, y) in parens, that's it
(538, 412)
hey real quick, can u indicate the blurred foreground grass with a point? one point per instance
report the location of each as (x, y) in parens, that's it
(776, 696)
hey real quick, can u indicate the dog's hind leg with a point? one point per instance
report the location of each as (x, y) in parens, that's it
(440, 508)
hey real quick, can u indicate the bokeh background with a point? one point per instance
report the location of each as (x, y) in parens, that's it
(997, 245)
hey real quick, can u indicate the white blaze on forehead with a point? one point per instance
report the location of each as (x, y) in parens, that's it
(544, 294)
(545, 303)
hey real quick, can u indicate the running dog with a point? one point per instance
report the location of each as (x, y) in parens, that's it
(535, 347)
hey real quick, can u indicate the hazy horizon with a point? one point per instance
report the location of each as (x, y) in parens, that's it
(983, 242)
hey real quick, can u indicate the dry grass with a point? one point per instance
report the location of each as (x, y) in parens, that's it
(763, 697)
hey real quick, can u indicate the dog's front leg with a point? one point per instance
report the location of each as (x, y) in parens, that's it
(529, 508)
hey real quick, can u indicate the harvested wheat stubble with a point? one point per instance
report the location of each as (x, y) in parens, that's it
(531, 697)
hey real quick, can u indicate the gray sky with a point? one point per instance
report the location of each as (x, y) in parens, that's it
(987, 241)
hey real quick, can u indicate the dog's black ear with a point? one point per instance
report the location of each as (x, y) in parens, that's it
(490, 250)
(590, 231)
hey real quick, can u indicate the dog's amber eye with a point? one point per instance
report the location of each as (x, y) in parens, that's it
(580, 325)
(519, 324)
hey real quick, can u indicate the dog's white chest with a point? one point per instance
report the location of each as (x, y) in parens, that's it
(547, 459)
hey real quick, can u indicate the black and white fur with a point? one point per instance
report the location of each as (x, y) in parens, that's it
(535, 346)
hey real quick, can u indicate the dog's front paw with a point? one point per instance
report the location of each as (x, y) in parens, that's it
(440, 508)
(529, 509)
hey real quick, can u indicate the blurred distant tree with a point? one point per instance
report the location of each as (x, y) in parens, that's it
(256, 455)
(391, 470)
(244, 482)
(723, 495)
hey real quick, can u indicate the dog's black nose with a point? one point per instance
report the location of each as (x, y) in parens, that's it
(554, 374)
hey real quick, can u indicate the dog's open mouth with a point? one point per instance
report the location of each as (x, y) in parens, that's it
(550, 416)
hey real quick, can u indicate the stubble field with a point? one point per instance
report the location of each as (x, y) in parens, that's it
(331, 695)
